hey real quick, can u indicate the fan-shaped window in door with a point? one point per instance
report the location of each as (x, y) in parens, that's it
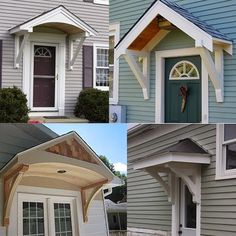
(184, 70)
(42, 52)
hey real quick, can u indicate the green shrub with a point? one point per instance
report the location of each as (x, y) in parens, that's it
(13, 106)
(93, 105)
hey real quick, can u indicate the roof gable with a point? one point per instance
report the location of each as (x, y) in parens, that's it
(203, 34)
(58, 16)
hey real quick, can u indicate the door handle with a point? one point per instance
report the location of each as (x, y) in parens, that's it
(57, 77)
(180, 232)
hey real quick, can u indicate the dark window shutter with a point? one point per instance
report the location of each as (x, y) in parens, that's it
(87, 66)
(0, 63)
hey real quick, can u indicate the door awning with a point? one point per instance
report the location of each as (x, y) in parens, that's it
(59, 18)
(182, 159)
(152, 27)
(66, 158)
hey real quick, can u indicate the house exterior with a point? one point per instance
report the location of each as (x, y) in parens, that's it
(181, 180)
(50, 184)
(117, 217)
(52, 50)
(174, 60)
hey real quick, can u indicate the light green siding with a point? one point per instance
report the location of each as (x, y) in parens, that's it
(218, 13)
(147, 202)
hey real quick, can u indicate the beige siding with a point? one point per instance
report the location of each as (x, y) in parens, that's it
(14, 12)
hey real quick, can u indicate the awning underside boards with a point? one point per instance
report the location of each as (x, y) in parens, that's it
(161, 18)
(59, 18)
(183, 160)
(66, 158)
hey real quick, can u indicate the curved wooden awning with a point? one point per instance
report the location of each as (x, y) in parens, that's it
(67, 158)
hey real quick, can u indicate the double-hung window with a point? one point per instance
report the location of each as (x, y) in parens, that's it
(226, 151)
(101, 67)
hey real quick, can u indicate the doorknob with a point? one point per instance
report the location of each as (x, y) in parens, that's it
(180, 232)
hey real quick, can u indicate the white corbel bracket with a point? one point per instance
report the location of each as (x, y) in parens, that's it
(141, 74)
(193, 182)
(19, 48)
(73, 55)
(215, 70)
(167, 185)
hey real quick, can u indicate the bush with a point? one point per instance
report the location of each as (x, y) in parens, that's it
(13, 106)
(93, 105)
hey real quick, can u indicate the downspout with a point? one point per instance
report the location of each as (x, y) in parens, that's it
(105, 213)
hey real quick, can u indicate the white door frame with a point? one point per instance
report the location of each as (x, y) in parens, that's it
(176, 210)
(46, 39)
(160, 82)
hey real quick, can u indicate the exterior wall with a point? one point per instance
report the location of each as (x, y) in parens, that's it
(130, 93)
(147, 203)
(96, 224)
(14, 12)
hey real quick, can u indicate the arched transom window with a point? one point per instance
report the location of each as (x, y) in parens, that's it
(184, 70)
(42, 52)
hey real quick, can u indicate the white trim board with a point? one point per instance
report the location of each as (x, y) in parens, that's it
(114, 29)
(160, 82)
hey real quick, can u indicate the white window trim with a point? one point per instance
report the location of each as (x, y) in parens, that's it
(46, 39)
(183, 78)
(114, 29)
(95, 47)
(221, 172)
(26, 193)
(160, 82)
(102, 2)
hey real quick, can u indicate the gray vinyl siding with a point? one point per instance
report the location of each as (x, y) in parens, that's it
(218, 13)
(147, 200)
(13, 12)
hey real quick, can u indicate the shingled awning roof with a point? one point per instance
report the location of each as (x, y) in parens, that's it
(184, 151)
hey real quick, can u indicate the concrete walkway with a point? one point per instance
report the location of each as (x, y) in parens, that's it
(57, 120)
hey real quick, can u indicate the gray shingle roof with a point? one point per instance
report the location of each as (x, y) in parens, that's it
(187, 15)
(195, 20)
(15, 138)
(183, 146)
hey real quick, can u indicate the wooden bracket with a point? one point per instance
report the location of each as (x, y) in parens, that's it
(11, 180)
(88, 193)
(215, 70)
(19, 48)
(73, 55)
(141, 74)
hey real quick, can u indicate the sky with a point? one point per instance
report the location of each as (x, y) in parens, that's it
(109, 140)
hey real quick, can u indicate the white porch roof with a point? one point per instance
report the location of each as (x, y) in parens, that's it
(60, 18)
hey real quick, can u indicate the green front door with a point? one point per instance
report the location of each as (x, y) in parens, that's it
(183, 90)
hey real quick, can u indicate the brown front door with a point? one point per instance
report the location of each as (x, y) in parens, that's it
(44, 76)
